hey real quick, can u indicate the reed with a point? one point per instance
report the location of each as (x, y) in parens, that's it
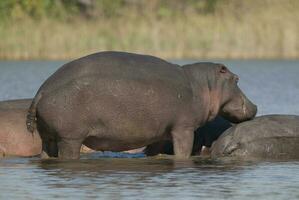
(234, 29)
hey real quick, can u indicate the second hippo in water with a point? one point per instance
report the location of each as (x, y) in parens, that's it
(14, 137)
(269, 137)
(15, 140)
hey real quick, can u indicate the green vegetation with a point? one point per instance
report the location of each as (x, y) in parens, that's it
(65, 29)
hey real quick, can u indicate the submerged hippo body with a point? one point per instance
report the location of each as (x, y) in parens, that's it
(15, 104)
(265, 137)
(15, 140)
(119, 101)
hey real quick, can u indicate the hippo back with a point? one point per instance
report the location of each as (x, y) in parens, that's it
(15, 104)
(265, 137)
(116, 66)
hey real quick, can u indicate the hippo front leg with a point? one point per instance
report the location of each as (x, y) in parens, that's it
(183, 142)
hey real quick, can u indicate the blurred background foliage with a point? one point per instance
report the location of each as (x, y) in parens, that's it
(92, 9)
(63, 29)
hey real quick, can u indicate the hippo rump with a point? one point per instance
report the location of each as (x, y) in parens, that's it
(117, 101)
(269, 137)
(15, 140)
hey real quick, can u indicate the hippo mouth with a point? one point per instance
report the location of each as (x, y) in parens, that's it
(236, 114)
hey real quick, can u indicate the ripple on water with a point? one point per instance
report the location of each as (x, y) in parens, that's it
(147, 178)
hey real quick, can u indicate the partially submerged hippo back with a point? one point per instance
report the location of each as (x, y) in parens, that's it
(265, 137)
(15, 104)
(14, 137)
(15, 140)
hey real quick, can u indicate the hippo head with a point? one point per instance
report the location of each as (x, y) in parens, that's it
(234, 105)
(221, 90)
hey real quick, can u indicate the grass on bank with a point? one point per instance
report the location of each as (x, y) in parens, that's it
(235, 29)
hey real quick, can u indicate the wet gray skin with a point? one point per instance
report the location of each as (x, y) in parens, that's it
(117, 101)
(273, 137)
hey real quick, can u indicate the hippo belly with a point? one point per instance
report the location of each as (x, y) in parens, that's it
(270, 137)
(100, 144)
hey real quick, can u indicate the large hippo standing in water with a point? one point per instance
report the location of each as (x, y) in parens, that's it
(122, 101)
(266, 137)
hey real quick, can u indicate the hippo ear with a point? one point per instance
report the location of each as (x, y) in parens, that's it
(223, 69)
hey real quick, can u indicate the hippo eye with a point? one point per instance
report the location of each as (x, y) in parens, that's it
(223, 69)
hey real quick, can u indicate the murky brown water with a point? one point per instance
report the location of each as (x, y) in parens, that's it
(272, 85)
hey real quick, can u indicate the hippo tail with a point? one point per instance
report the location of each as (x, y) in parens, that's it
(31, 115)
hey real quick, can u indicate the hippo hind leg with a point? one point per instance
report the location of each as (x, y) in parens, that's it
(64, 148)
(69, 148)
(49, 149)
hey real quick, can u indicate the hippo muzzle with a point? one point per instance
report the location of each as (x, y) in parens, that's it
(239, 108)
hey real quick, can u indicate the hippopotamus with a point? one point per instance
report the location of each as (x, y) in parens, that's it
(203, 139)
(15, 104)
(116, 101)
(15, 140)
(269, 137)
